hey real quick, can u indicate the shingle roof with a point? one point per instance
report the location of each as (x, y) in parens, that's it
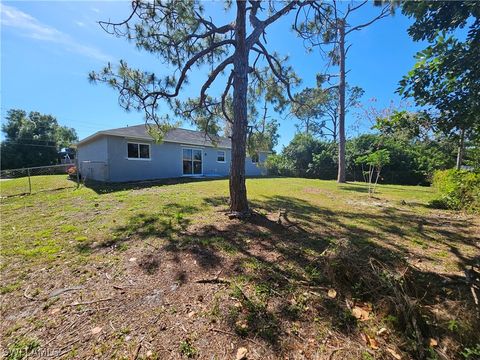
(178, 135)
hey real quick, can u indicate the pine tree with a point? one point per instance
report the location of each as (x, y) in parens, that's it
(186, 38)
(328, 28)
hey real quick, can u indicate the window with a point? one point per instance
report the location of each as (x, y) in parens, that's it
(138, 151)
(255, 158)
(221, 156)
(192, 161)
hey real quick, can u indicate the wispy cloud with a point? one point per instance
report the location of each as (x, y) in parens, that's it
(29, 26)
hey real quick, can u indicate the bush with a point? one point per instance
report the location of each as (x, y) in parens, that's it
(278, 165)
(72, 172)
(458, 190)
(323, 165)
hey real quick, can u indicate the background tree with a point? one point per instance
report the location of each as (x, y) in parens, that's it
(332, 108)
(309, 109)
(299, 154)
(446, 75)
(318, 110)
(405, 125)
(472, 150)
(375, 161)
(263, 136)
(327, 27)
(185, 38)
(33, 139)
(414, 157)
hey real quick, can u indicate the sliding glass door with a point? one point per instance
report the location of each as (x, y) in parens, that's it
(192, 161)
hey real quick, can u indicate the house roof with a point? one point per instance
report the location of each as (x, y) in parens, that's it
(177, 135)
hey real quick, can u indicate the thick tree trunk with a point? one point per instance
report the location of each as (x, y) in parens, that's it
(461, 147)
(238, 190)
(341, 111)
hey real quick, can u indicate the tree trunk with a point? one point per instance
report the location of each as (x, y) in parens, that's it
(341, 111)
(238, 189)
(335, 128)
(461, 147)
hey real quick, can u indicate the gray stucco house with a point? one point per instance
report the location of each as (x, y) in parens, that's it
(131, 154)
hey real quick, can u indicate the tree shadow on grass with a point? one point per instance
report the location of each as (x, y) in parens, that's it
(280, 270)
(173, 219)
(355, 187)
(101, 187)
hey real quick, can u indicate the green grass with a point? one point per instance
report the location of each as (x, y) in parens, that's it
(20, 186)
(95, 230)
(53, 224)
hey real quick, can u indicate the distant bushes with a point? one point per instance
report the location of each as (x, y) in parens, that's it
(457, 189)
(411, 163)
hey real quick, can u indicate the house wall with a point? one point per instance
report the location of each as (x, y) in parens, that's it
(95, 150)
(165, 160)
(93, 159)
(252, 169)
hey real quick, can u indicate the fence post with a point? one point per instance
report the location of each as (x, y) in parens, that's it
(78, 171)
(29, 182)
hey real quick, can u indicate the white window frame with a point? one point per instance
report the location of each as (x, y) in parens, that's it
(188, 147)
(224, 156)
(139, 158)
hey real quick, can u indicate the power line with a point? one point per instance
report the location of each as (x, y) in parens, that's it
(19, 143)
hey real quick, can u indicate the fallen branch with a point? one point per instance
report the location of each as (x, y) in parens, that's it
(25, 295)
(153, 246)
(213, 281)
(89, 302)
(64, 290)
(287, 223)
(137, 351)
(472, 277)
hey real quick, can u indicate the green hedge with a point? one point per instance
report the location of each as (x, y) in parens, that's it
(457, 189)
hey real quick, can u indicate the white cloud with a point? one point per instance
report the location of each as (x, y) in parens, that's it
(80, 23)
(29, 26)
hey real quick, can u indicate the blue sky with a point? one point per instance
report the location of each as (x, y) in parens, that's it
(48, 49)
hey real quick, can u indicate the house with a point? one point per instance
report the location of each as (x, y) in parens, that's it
(131, 154)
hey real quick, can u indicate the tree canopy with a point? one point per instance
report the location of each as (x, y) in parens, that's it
(446, 75)
(317, 109)
(33, 139)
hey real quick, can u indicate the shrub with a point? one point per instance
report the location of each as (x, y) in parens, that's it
(278, 165)
(458, 189)
(72, 172)
(324, 163)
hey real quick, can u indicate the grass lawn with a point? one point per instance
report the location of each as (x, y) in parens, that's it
(320, 271)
